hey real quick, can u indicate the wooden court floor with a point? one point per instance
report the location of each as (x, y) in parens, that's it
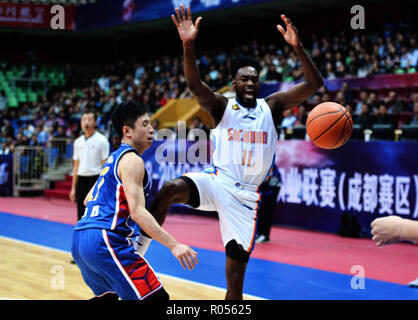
(34, 272)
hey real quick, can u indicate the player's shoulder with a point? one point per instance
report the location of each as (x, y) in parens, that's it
(131, 159)
(131, 164)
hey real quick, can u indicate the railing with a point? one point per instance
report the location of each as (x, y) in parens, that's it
(29, 168)
(30, 83)
(32, 165)
(59, 151)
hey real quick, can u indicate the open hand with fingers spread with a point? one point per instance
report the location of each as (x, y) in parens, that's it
(185, 27)
(290, 34)
(186, 255)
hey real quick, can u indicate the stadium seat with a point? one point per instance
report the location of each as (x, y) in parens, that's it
(357, 133)
(32, 96)
(382, 132)
(12, 101)
(409, 132)
(21, 96)
(299, 132)
(404, 118)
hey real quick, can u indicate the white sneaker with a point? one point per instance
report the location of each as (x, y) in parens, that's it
(262, 239)
(414, 283)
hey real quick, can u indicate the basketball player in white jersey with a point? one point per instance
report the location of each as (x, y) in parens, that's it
(244, 148)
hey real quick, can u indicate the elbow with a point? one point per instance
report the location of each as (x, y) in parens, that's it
(319, 82)
(315, 85)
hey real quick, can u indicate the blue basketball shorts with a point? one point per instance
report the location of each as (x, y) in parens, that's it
(110, 263)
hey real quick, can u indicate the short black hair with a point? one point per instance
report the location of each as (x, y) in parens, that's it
(126, 114)
(86, 111)
(243, 61)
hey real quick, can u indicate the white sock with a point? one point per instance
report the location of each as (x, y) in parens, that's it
(141, 244)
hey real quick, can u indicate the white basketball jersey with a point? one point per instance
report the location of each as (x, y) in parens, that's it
(245, 142)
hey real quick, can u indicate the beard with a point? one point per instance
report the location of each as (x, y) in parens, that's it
(246, 101)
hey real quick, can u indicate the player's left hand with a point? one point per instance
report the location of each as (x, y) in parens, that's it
(386, 230)
(290, 34)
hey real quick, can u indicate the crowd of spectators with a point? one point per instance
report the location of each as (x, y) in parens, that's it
(155, 82)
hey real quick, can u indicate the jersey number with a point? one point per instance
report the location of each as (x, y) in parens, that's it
(246, 157)
(99, 183)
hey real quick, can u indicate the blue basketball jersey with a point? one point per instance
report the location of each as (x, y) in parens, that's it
(107, 208)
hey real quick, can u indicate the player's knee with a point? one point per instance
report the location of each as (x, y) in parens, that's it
(236, 252)
(175, 190)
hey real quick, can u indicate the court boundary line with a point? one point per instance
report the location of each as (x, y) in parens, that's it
(158, 273)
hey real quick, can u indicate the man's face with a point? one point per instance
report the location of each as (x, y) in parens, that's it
(246, 84)
(195, 123)
(88, 122)
(142, 133)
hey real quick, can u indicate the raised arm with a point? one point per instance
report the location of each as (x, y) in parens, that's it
(280, 101)
(131, 171)
(212, 102)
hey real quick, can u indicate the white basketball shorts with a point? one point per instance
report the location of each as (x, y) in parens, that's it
(235, 202)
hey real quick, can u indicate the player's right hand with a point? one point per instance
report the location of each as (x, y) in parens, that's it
(184, 24)
(72, 196)
(186, 256)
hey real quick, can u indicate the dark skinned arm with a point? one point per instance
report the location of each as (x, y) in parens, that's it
(281, 101)
(212, 102)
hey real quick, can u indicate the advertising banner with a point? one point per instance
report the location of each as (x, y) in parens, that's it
(114, 13)
(27, 15)
(365, 180)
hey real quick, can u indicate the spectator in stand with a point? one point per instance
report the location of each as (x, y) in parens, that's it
(339, 98)
(372, 102)
(5, 148)
(3, 101)
(301, 117)
(7, 130)
(413, 52)
(413, 102)
(197, 124)
(414, 119)
(395, 105)
(34, 142)
(364, 119)
(289, 119)
(383, 116)
(363, 100)
(349, 108)
(272, 74)
(329, 71)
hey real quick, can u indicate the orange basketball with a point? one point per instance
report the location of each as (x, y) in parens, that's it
(329, 125)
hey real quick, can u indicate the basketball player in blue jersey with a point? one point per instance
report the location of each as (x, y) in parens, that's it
(244, 148)
(102, 245)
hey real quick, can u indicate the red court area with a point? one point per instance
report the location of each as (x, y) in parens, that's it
(396, 263)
